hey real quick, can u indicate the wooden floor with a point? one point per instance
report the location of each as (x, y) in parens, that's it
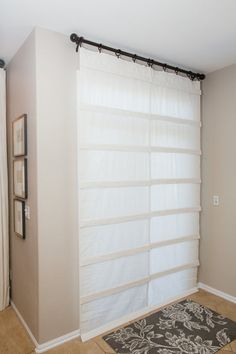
(15, 340)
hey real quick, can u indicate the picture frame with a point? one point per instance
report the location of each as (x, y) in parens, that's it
(19, 136)
(20, 184)
(19, 218)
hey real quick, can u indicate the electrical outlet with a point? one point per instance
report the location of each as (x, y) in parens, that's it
(27, 212)
(216, 200)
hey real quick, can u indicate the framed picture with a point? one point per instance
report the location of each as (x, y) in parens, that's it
(20, 178)
(19, 136)
(19, 218)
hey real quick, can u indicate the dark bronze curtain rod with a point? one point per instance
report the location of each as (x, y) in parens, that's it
(2, 63)
(118, 52)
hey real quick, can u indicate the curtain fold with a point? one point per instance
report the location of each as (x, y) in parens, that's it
(139, 188)
(4, 236)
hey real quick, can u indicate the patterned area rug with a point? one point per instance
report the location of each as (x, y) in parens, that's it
(183, 328)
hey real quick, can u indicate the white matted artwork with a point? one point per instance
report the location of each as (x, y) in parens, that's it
(19, 218)
(20, 178)
(19, 136)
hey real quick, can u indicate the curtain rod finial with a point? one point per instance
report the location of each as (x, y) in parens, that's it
(2, 63)
(202, 76)
(73, 37)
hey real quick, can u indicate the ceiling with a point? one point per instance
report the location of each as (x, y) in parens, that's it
(195, 34)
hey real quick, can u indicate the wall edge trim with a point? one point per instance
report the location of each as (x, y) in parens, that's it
(217, 292)
(41, 348)
(24, 323)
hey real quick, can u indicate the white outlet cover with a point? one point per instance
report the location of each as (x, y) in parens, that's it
(216, 200)
(27, 212)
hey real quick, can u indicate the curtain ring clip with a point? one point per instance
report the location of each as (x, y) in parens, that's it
(164, 67)
(191, 75)
(79, 43)
(118, 53)
(100, 48)
(150, 63)
(134, 58)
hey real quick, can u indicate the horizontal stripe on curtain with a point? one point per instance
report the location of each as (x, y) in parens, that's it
(139, 188)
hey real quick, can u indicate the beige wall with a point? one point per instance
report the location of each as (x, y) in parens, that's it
(42, 83)
(57, 189)
(21, 98)
(218, 224)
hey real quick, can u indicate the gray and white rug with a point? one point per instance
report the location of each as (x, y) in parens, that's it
(183, 328)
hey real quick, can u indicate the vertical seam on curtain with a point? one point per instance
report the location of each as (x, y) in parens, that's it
(79, 204)
(149, 187)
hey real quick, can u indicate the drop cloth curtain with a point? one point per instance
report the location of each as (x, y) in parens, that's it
(4, 249)
(139, 189)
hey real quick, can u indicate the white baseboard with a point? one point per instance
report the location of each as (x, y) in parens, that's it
(41, 348)
(24, 323)
(217, 292)
(112, 325)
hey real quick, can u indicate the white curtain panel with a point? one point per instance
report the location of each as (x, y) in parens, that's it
(139, 189)
(4, 242)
